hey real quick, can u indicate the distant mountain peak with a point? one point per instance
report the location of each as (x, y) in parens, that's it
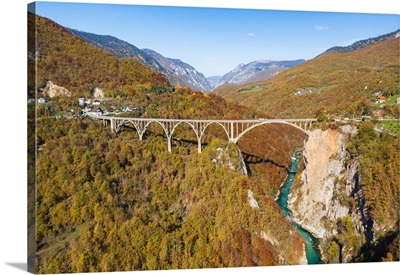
(214, 80)
(256, 71)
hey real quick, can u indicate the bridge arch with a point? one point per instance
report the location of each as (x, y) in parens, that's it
(236, 139)
(163, 126)
(199, 129)
(195, 130)
(224, 127)
(184, 122)
(124, 121)
(202, 127)
(141, 127)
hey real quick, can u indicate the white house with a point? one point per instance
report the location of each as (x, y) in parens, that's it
(130, 108)
(96, 102)
(380, 99)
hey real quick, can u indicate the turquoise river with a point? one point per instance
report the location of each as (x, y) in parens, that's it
(312, 253)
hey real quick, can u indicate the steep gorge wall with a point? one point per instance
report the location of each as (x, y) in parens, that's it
(328, 191)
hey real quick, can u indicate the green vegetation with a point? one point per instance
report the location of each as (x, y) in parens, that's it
(379, 157)
(390, 101)
(173, 208)
(375, 193)
(392, 126)
(253, 89)
(345, 85)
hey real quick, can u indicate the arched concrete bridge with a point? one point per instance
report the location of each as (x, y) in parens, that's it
(234, 129)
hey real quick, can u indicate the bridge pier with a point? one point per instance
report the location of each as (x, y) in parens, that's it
(113, 124)
(231, 137)
(198, 145)
(169, 144)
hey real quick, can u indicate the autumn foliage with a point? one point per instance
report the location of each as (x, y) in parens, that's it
(107, 201)
(344, 84)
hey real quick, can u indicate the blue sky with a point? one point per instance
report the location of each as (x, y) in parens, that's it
(215, 40)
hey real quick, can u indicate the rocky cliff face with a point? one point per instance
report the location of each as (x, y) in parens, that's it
(52, 90)
(97, 93)
(181, 73)
(320, 200)
(231, 157)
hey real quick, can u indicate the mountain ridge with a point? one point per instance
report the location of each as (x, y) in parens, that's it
(256, 71)
(73, 63)
(177, 71)
(213, 80)
(118, 47)
(341, 83)
(181, 73)
(362, 43)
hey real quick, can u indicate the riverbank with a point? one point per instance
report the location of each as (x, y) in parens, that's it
(311, 243)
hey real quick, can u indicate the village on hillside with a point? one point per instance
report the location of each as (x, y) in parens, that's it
(71, 107)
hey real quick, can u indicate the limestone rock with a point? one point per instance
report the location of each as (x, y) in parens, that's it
(52, 90)
(231, 157)
(97, 93)
(318, 203)
(313, 204)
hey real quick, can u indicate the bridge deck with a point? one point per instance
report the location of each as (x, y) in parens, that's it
(234, 128)
(211, 120)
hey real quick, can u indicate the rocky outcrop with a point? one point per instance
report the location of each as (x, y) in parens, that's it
(180, 73)
(97, 93)
(51, 90)
(302, 258)
(231, 157)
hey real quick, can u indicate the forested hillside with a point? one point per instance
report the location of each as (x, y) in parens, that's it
(379, 157)
(177, 72)
(108, 201)
(340, 83)
(76, 65)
